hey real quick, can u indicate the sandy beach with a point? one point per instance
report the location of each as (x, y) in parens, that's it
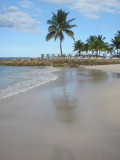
(76, 117)
(107, 68)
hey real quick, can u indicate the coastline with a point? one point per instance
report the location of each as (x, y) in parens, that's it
(64, 119)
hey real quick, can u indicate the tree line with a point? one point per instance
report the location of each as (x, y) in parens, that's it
(58, 25)
(96, 45)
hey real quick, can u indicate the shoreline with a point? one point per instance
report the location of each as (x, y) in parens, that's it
(51, 117)
(115, 68)
(24, 78)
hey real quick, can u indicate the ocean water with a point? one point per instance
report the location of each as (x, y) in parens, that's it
(16, 79)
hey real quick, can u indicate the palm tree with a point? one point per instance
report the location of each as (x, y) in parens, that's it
(86, 47)
(116, 41)
(105, 48)
(96, 46)
(118, 34)
(78, 46)
(115, 44)
(91, 42)
(59, 24)
(101, 43)
(110, 50)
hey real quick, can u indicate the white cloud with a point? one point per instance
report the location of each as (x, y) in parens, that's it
(91, 15)
(104, 27)
(12, 9)
(59, 1)
(25, 4)
(39, 10)
(91, 8)
(15, 19)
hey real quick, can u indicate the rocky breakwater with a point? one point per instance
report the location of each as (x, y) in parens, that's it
(58, 62)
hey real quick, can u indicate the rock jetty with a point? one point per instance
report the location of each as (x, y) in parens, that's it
(59, 62)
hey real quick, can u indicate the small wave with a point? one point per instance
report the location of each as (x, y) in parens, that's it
(29, 80)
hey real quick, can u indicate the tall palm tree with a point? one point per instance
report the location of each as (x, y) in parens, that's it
(78, 46)
(59, 24)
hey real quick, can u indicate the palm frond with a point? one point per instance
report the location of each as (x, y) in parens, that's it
(118, 34)
(69, 33)
(51, 22)
(50, 35)
(67, 26)
(58, 33)
(54, 18)
(51, 28)
(70, 20)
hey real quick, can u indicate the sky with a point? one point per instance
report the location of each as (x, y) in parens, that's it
(23, 24)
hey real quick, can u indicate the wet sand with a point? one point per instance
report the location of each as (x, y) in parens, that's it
(76, 117)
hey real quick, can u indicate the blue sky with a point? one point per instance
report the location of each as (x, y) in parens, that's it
(23, 26)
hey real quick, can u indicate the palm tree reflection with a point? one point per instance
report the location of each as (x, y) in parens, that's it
(65, 108)
(65, 96)
(65, 101)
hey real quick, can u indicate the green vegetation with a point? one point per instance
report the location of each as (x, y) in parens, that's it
(116, 41)
(78, 46)
(58, 25)
(96, 45)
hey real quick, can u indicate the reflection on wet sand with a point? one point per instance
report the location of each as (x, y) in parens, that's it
(92, 76)
(61, 153)
(64, 96)
(117, 75)
(65, 107)
(63, 120)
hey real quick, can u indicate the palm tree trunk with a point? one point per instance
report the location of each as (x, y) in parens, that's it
(96, 52)
(61, 47)
(117, 51)
(99, 52)
(92, 52)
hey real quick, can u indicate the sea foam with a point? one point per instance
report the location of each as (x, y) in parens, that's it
(28, 79)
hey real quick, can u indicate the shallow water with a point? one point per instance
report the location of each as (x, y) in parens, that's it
(16, 79)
